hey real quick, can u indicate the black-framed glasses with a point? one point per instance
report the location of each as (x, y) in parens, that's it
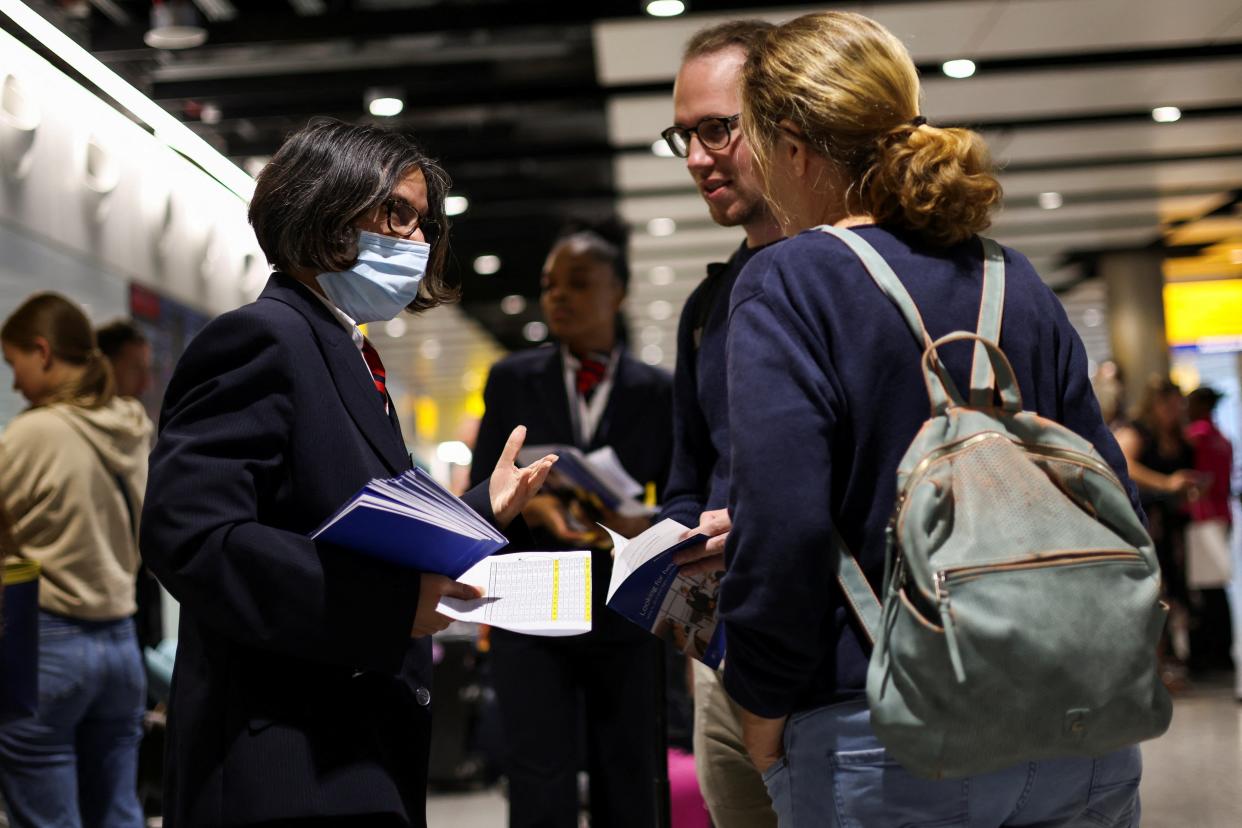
(403, 220)
(714, 133)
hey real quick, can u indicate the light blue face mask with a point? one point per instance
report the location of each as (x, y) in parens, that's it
(383, 281)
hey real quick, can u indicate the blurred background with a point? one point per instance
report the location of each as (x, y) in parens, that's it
(130, 132)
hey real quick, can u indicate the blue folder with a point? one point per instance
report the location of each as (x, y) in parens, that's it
(415, 522)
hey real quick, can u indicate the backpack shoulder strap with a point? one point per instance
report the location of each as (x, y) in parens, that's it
(991, 309)
(861, 597)
(882, 274)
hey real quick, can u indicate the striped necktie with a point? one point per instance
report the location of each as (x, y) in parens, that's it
(378, 374)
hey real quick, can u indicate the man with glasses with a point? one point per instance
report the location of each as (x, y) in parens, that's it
(706, 134)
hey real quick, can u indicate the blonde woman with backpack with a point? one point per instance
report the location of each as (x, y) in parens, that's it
(73, 468)
(827, 392)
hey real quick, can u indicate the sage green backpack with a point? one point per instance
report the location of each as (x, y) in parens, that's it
(1021, 592)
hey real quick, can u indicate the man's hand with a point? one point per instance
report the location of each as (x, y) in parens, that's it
(764, 739)
(547, 511)
(511, 488)
(430, 590)
(706, 557)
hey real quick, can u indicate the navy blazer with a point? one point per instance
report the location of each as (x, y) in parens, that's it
(528, 388)
(298, 691)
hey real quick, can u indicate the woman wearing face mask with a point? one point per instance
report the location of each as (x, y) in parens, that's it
(72, 472)
(826, 393)
(587, 391)
(302, 688)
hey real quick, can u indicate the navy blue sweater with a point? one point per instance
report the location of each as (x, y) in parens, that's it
(698, 478)
(825, 395)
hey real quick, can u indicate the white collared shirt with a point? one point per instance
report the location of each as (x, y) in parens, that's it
(586, 415)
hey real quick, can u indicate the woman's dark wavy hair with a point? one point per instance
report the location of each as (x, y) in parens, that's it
(322, 179)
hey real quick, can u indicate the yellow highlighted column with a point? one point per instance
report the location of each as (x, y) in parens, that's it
(556, 587)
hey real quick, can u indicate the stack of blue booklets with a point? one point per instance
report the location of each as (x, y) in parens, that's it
(413, 521)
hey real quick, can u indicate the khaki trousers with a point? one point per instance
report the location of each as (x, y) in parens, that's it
(734, 791)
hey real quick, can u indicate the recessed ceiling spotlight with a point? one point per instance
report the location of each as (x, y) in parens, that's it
(660, 147)
(659, 310)
(1166, 114)
(395, 327)
(430, 349)
(487, 264)
(661, 227)
(665, 8)
(1050, 201)
(513, 304)
(385, 107)
(455, 205)
(960, 68)
(175, 25)
(653, 354)
(535, 331)
(662, 275)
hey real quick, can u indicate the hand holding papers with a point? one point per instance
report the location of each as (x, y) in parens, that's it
(413, 521)
(648, 589)
(539, 593)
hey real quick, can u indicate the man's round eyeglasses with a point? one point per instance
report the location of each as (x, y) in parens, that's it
(714, 133)
(403, 220)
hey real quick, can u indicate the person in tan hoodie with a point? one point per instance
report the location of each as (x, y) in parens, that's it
(73, 470)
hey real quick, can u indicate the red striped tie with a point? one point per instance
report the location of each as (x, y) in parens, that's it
(378, 374)
(590, 375)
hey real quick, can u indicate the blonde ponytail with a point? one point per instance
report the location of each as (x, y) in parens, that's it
(849, 87)
(935, 182)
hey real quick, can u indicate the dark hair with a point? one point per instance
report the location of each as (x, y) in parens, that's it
(606, 241)
(744, 34)
(322, 179)
(117, 334)
(71, 339)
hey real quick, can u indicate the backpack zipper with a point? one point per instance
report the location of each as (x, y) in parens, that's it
(941, 577)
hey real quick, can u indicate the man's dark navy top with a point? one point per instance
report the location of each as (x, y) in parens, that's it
(825, 395)
(699, 476)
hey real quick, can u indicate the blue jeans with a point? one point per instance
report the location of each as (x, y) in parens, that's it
(836, 774)
(75, 763)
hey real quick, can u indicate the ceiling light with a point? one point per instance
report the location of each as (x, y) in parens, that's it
(535, 331)
(653, 354)
(1092, 318)
(1235, 255)
(1050, 201)
(455, 205)
(395, 327)
(385, 107)
(661, 148)
(174, 25)
(665, 8)
(513, 304)
(210, 114)
(662, 275)
(430, 349)
(471, 381)
(961, 68)
(1166, 114)
(486, 264)
(166, 128)
(661, 227)
(659, 310)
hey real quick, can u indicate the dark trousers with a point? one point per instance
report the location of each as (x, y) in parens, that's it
(547, 689)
